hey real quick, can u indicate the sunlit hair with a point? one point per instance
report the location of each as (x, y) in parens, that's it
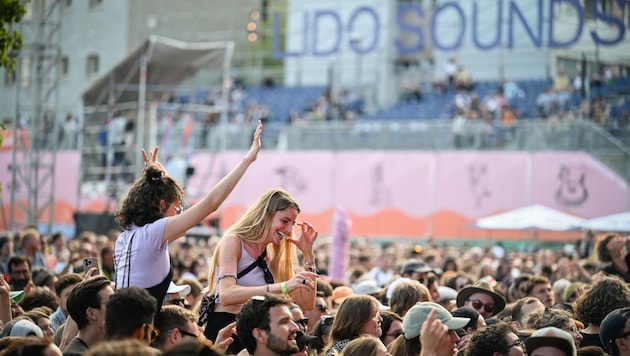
(170, 317)
(534, 281)
(490, 340)
(517, 310)
(551, 317)
(606, 295)
(125, 347)
(141, 206)
(254, 226)
(602, 251)
(353, 313)
(364, 346)
(406, 295)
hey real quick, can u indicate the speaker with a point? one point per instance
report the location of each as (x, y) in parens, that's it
(101, 223)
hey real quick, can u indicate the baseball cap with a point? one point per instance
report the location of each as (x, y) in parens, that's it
(418, 314)
(367, 287)
(183, 290)
(551, 336)
(418, 266)
(339, 294)
(612, 327)
(21, 327)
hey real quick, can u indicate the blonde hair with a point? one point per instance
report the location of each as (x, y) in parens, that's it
(253, 227)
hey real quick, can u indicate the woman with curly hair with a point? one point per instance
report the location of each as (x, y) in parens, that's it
(557, 318)
(606, 295)
(152, 216)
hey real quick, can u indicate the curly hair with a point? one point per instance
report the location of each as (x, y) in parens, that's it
(602, 250)
(606, 295)
(490, 340)
(141, 206)
(558, 318)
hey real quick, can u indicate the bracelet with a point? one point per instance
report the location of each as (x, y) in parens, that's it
(227, 275)
(283, 287)
(310, 266)
(267, 288)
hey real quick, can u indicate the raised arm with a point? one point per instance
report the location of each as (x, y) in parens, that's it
(178, 225)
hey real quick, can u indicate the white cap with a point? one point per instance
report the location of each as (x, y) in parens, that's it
(182, 290)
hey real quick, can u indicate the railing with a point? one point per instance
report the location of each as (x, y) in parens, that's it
(529, 135)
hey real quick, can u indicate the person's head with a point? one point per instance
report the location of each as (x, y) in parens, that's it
(315, 314)
(195, 290)
(603, 252)
(176, 295)
(539, 287)
(366, 346)
(322, 332)
(176, 324)
(19, 271)
(406, 294)
(481, 297)
(65, 284)
(151, 197)
(418, 314)
(522, 309)
(614, 332)
(357, 315)
(38, 298)
(6, 246)
(42, 321)
(21, 327)
(476, 319)
(32, 346)
(550, 341)
(267, 322)
(189, 347)
(126, 347)
(520, 285)
(559, 319)
(459, 281)
(606, 295)
(107, 255)
(87, 302)
(31, 240)
(496, 339)
(129, 314)
(391, 326)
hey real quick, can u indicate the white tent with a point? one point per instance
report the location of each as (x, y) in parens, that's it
(619, 222)
(533, 217)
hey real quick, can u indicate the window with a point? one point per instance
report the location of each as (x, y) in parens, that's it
(95, 4)
(64, 67)
(92, 65)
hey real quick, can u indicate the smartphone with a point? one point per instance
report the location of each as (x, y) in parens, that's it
(90, 262)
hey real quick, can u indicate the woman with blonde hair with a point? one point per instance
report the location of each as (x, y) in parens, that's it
(366, 346)
(256, 256)
(357, 315)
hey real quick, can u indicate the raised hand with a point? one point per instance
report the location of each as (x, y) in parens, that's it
(252, 154)
(153, 158)
(306, 238)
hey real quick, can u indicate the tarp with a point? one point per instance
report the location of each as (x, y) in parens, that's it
(533, 217)
(169, 62)
(619, 222)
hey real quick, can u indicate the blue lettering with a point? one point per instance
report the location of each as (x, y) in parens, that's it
(515, 10)
(276, 40)
(497, 38)
(405, 27)
(335, 17)
(362, 49)
(462, 30)
(614, 21)
(552, 15)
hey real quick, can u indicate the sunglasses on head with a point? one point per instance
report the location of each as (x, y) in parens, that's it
(477, 304)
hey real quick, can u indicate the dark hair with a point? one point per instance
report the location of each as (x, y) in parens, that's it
(65, 281)
(602, 250)
(18, 260)
(141, 206)
(170, 317)
(535, 280)
(490, 340)
(83, 296)
(41, 297)
(194, 348)
(127, 310)
(4, 240)
(27, 345)
(606, 295)
(321, 328)
(388, 318)
(255, 314)
(517, 310)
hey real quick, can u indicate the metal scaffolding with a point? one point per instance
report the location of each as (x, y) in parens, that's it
(37, 122)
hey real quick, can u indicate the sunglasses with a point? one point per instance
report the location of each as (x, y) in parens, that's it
(322, 307)
(179, 302)
(477, 304)
(302, 322)
(518, 342)
(184, 332)
(327, 320)
(178, 209)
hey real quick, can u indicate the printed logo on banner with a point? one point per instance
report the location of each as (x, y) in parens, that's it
(380, 193)
(572, 190)
(291, 179)
(478, 178)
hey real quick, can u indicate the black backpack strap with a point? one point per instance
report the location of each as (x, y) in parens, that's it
(253, 265)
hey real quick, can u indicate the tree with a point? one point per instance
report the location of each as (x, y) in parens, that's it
(11, 12)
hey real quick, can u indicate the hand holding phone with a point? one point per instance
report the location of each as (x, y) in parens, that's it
(90, 262)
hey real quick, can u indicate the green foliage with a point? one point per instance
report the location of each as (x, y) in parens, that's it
(11, 12)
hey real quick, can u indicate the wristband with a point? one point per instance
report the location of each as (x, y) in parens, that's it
(283, 287)
(267, 288)
(310, 266)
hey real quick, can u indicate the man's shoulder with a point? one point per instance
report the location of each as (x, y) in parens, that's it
(75, 347)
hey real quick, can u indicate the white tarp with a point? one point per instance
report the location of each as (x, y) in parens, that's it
(533, 217)
(619, 222)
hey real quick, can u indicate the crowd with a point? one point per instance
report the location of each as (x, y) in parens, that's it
(265, 287)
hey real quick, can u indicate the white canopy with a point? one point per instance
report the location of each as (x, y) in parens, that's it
(619, 222)
(533, 217)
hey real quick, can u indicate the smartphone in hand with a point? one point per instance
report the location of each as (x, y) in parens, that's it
(90, 262)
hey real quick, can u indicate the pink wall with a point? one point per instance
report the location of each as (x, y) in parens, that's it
(394, 193)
